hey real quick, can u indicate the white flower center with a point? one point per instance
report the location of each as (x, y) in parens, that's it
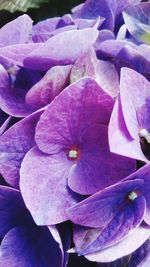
(73, 154)
(145, 134)
(133, 195)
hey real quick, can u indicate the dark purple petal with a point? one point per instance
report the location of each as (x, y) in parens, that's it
(44, 186)
(14, 144)
(27, 247)
(92, 10)
(115, 211)
(144, 174)
(12, 210)
(62, 49)
(78, 106)
(132, 58)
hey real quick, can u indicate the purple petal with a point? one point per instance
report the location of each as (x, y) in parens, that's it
(131, 79)
(89, 23)
(132, 58)
(78, 106)
(103, 72)
(53, 82)
(15, 54)
(16, 31)
(62, 49)
(92, 10)
(125, 247)
(144, 174)
(44, 186)
(120, 141)
(12, 97)
(12, 210)
(42, 30)
(92, 173)
(27, 247)
(137, 21)
(4, 126)
(14, 144)
(107, 77)
(133, 117)
(115, 211)
(110, 48)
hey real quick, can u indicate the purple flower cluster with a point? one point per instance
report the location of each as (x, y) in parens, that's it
(75, 137)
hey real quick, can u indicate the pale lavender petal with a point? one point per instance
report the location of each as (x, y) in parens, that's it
(44, 188)
(128, 245)
(62, 49)
(120, 141)
(16, 31)
(136, 99)
(89, 23)
(4, 126)
(107, 77)
(15, 54)
(103, 72)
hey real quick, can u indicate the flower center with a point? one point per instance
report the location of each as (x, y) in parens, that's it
(133, 195)
(144, 134)
(73, 153)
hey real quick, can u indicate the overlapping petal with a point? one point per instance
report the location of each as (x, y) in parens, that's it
(115, 211)
(58, 49)
(14, 144)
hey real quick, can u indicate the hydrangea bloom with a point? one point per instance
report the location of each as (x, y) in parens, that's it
(71, 138)
(75, 137)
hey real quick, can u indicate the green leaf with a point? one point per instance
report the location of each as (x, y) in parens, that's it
(20, 5)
